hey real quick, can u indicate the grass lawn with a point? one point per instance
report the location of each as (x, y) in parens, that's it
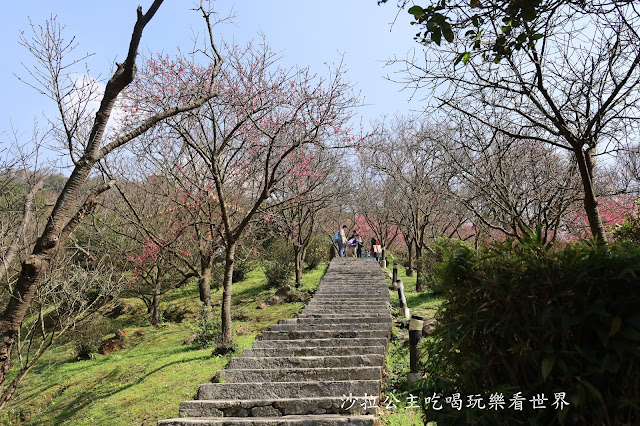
(424, 304)
(148, 379)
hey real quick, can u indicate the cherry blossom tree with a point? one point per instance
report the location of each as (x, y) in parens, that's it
(161, 242)
(176, 189)
(249, 137)
(312, 188)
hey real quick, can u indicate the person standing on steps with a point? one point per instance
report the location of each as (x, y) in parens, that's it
(376, 249)
(352, 243)
(342, 240)
(360, 246)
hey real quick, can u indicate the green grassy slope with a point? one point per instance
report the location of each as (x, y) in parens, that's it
(148, 379)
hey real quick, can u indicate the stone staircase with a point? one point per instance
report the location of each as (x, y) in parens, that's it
(323, 368)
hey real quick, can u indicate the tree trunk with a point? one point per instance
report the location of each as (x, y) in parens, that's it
(11, 389)
(155, 305)
(204, 286)
(229, 257)
(20, 230)
(585, 165)
(61, 222)
(410, 263)
(299, 252)
(33, 270)
(419, 270)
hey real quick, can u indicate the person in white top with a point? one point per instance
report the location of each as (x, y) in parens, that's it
(342, 240)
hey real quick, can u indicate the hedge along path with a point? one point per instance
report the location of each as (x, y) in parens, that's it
(322, 368)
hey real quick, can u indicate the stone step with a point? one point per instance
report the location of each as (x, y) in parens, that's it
(370, 314)
(349, 299)
(351, 282)
(336, 326)
(317, 420)
(351, 279)
(344, 312)
(278, 407)
(302, 343)
(324, 334)
(315, 351)
(355, 300)
(306, 371)
(380, 319)
(307, 361)
(352, 293)
(365, 289)
(350, 305)
(360, 308)
(354, 309)
(346, 279)
(342, 315)
(266, 390)
(236, 375)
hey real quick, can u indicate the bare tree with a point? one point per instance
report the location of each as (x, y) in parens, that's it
(407, 154)
(377, 201)
(86, 147)
(22, 176)
(572, 85)
(510, 186)
(71, 293)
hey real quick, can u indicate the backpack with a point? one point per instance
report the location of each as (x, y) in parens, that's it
(336, 237)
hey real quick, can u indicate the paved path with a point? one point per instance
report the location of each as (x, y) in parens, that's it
(308, 370)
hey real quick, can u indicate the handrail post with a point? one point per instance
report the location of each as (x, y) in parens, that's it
(415, 335)
(403, 300)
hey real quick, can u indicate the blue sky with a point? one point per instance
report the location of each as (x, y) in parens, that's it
(308, 33)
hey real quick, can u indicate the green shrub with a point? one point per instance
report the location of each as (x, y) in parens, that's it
(277, 262)
(629, 230)
(180, 311)
(208, 333)
(317, 252)
(518, 318)
(431, 261)
(278, 274)
(88, 336)
(390, 258)
(241, 267)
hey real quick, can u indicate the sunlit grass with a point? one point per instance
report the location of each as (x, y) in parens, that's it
(147, 380)
(424, 304)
